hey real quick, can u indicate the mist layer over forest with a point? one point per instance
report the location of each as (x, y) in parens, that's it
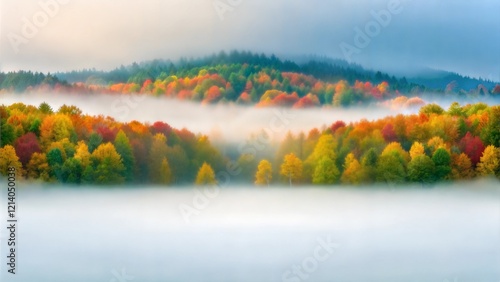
(221, 121)
(230, 122)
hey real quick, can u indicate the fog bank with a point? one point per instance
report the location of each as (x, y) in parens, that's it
(446, 233)
(232, 122)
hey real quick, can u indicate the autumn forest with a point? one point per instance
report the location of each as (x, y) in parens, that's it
(432, 144)
(67, 146)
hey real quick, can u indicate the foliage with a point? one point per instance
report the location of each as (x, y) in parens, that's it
(442, 161)
(206, 175)
(421, 169)
(70, 147)
(264, 173)
(291, 168)
(490, 162)
(8, 159)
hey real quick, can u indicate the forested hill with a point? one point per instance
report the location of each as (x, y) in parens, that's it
(325, 69)
(238, 77)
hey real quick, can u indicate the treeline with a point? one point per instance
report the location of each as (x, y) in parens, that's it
(26, 80)
(462, 142)
(321, 68)
(70, 147)
(242, 78)
(67, 146)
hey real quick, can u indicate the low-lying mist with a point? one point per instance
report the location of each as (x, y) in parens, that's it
(223, 122)
(449, 232)
(228, 122)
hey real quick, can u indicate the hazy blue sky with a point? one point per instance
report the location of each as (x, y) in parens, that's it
(456, 35)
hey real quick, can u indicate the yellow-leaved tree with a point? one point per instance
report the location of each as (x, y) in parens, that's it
(206, 175)
(82, 154)
(109, 169)
(417, 149)
(8, 159)
(291, 168)
(38, 167)
(353, 174)
(489, 165)
(54, 128)
(264, 173)
(321, 163)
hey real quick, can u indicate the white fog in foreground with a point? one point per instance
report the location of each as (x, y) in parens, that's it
(450, 233)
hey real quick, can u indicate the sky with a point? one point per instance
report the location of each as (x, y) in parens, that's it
(391, 35)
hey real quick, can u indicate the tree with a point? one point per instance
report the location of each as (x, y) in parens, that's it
(397, 148)
(369, 164)
(38, 167)
(25, 146)
(88, 176)
(69, 110)
(435, 143)
(206, 175)
(205, 152)
(456, 110)
(45, 108)
(389, 133)
(8, 159)
(165, 172)
(54, 128)
(123, 147)
(421, 169)
(157, 153)
(442, 161)
(461, 167)
(489, 164)
(67, 148)
(94, 141)
(431, 109)
(391, 168)
(417, 149)
(491, 132)
(325, 172)
(472, 146)
(55, 160)
(108, 165)
(71, 171)
(353, 174)
(82, 154)
(7, 134)
(264, 173)
(324, 148)
(161, 127)
(107, 134)
(291, 168)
